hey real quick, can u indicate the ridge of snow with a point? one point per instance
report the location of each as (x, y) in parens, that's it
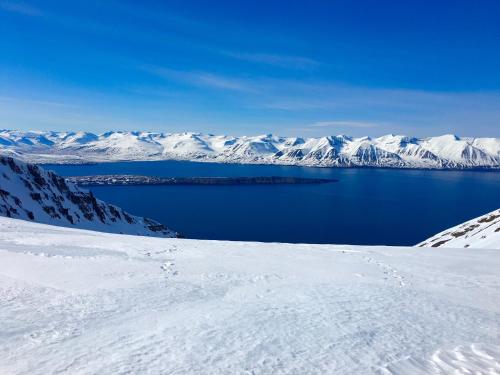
(442, 152)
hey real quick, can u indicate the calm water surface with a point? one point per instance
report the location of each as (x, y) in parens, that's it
(366, 206)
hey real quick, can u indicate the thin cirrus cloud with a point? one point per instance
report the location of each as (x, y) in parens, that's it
(281, 61)
(20, 7)
(350, 124)
(12, 101)
(201, 78)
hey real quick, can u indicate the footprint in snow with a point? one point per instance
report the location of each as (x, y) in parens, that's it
(169, 268)
(172, 249)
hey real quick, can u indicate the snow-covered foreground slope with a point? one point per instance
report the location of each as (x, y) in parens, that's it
(447, 151)
(82, 302)
(481, 232)
(31, 193)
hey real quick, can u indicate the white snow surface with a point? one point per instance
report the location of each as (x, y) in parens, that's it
(31, 193)
(447, 151)
(481, 232)
(83, 302)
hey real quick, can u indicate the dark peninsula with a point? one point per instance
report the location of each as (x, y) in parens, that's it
(124, 180)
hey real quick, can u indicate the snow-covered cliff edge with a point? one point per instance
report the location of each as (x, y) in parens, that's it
(28, 192)
(480, 232)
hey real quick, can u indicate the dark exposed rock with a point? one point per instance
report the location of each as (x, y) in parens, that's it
(17, 201)
(65, 212)
(4, 193)
(51, 211)
(439, 243)
(36, 197)
(114, 211)
(129, 218)
(37, 176)
(59, 182)
(154, 226)
(27, 184)
(12, 164)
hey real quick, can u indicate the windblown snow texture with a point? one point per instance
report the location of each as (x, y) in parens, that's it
(82, 302)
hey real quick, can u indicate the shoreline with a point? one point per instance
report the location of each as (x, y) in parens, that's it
(262, 163)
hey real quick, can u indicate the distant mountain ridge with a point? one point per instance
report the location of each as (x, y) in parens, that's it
(28, 192)
(396, 151)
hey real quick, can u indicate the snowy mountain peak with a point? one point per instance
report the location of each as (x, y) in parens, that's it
(28, 192)
(448, 138)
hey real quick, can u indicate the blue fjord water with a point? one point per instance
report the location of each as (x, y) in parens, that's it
(366, 206)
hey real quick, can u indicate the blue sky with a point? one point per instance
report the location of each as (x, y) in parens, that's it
(306, 68)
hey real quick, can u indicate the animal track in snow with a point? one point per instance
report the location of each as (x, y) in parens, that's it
(169, 268)
(388, 270)
(169, 265)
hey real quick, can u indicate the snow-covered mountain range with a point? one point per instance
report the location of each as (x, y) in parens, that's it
(31, 193)
(447, 151)
(481, 232)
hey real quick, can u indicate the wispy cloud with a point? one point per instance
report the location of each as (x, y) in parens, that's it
(26, 101)
(221, 82)
(343, 123)
(351, 127)
(200, 78)
(21, 8)
(356, 108)
(294, 105)
(282, 61)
